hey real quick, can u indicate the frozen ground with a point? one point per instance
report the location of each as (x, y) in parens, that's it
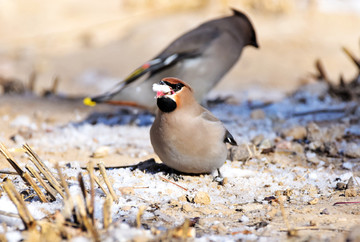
(291, 153)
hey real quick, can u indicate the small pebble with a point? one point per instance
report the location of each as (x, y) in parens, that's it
(296, 132)
(350, 193)
(350, 184)
(101, 152)
(340, 186)
(202, 198)
(257, 114)
(325, 211)
(239, 153)
(314, 201)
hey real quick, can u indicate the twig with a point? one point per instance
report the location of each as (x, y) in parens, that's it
(15, 197)
(317, 111)
(314, 228)
(107, 182)
(339, 203)
(352, 57)
(173, 183)
(322, 74)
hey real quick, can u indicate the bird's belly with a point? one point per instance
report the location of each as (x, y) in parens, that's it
(192, 158)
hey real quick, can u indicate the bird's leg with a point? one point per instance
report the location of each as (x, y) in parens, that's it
(219, 178)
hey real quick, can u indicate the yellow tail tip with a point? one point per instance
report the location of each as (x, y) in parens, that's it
(88, 102)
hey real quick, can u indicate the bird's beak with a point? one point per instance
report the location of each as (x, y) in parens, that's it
(161, 89)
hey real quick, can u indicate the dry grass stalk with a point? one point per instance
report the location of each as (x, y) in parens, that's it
(352, 57)
(139, 215)
(8, 214)
(88, 205)
(4, 151)
(90, 169)
(92, 191)
(35, 159)
(290, 231)
(85, 220)
(9, 173)
(35, 187)
(107, 212)
(15, 197)
(107, 181)
(24, 175)
(182, 232)
(63, 181)
(49, 189)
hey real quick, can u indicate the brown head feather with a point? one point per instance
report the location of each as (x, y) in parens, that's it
(174, 80)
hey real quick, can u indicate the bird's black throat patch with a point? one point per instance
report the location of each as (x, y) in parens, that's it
(166, 104)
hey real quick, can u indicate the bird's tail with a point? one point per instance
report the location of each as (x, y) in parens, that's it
(107, 97)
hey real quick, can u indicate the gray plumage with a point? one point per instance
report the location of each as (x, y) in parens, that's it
(201, 56)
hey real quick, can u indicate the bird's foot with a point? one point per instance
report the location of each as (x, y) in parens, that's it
(219, 178)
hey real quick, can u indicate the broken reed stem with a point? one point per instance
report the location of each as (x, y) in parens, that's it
(139, 215)
(63, 181)
(92, 192)
(35, 159)
(91, 170)
(13, 215)
(283, 213)
(82, 186)
(88, 205)
(35, 187)
(352, 57)
(9, 173)
(5, 152)
(87, 222)
(24, 175)
(49, 189)
(173, 183)
(107, 211)
(107, 181)
(15, 197)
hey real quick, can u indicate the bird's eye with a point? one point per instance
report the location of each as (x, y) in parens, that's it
(175, 87)
(178, 87)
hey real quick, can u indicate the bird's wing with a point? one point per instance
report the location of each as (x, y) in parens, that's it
(228, 138)
(192, 43)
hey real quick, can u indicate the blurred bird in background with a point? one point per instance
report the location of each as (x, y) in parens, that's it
(201, 56)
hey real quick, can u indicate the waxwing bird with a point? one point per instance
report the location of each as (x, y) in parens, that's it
(202, 56)
(184, 135)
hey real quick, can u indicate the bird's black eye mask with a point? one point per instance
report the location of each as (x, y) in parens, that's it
(175, 87)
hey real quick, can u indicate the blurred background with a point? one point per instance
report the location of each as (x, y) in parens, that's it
(90, 45)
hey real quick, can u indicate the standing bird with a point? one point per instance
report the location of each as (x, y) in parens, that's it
(202, 56)
(184, 135)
